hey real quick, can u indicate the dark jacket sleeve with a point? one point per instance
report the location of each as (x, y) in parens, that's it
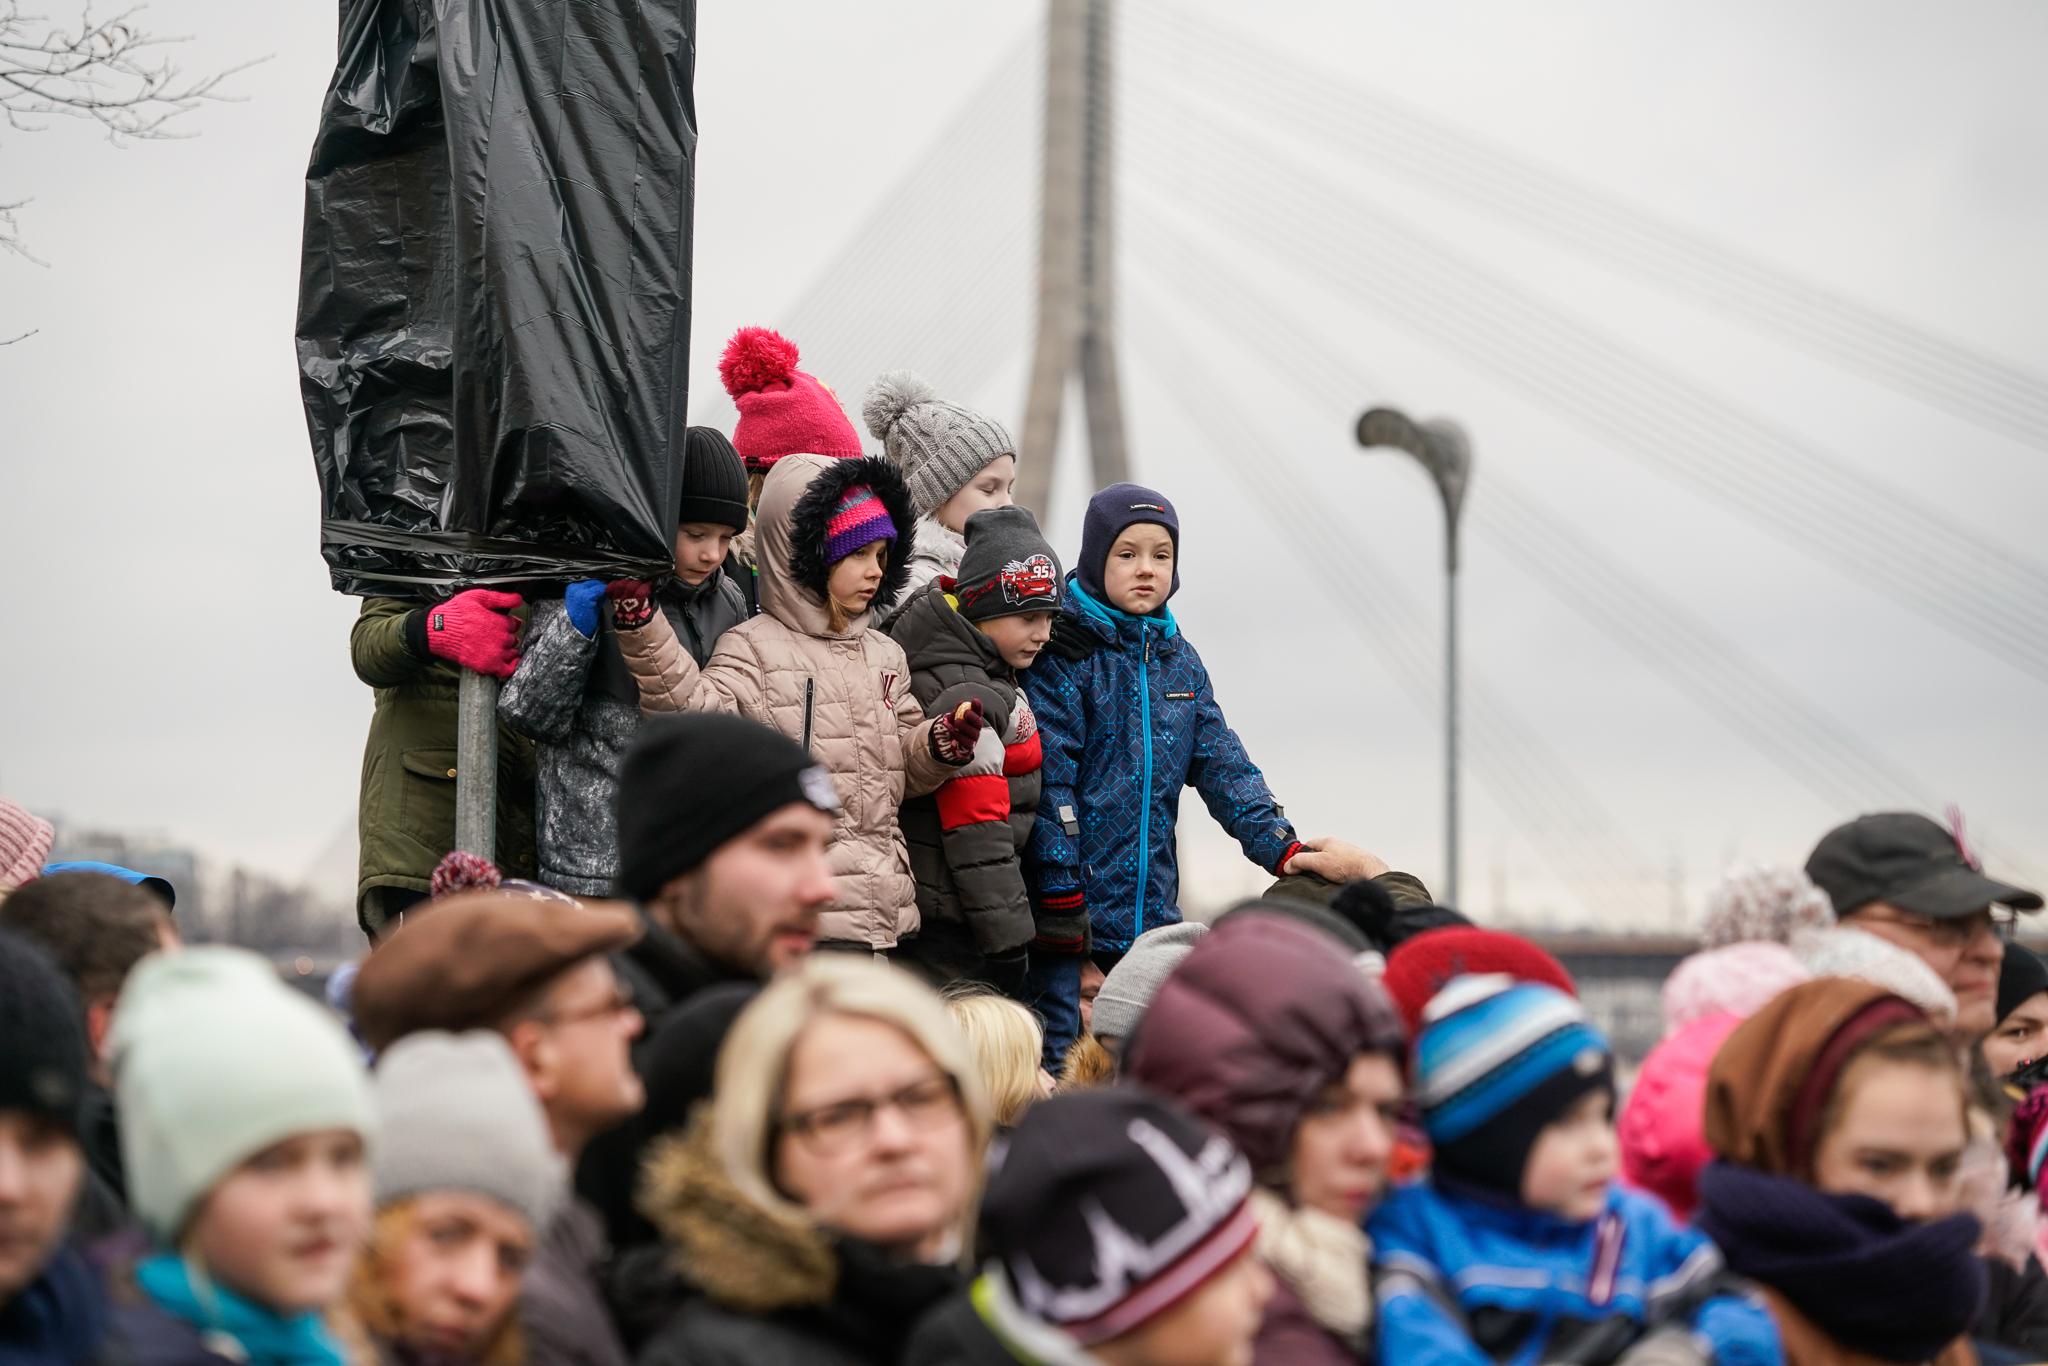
(387, 645)
(541, 698)
(1231, 785)
(2015, 1312)
(975, 832)
(1054, 855)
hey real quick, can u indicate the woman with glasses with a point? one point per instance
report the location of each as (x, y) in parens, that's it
(825, 1196)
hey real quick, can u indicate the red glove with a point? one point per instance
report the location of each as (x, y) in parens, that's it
(471, 629)
(632, 602)
(953, 736)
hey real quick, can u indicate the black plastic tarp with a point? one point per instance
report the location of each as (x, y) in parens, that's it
(494, 301)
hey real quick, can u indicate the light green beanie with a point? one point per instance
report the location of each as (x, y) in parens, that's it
(215, 1060)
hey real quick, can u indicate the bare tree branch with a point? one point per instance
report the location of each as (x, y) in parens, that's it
(108, 70)
(10, 235)
(23, 337)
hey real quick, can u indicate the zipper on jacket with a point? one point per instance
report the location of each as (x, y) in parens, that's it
(1145, 798)
(810, 694)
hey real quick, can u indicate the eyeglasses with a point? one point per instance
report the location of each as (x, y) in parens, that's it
(1953, 935)
(830, 1130)
(618, 1003)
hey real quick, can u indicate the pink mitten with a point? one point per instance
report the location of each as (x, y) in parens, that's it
(472, 629)
(632, 602)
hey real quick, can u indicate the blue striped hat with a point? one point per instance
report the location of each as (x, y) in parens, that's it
(1488, 1041)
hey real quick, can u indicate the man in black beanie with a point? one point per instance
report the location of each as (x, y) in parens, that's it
(51, 1304)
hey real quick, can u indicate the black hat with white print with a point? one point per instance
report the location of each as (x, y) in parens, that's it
(1106, 1208)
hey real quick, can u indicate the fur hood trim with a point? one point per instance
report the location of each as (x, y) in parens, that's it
(813, 514)
(739, 1254)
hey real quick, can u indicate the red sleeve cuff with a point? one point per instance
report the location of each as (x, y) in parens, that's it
(1280, 864)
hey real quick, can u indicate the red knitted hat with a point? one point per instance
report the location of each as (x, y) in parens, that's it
(1420, 967)
(782, 410)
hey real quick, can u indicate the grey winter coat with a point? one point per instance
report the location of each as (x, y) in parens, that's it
(561, 1301)
(574, 698)
(966, 837)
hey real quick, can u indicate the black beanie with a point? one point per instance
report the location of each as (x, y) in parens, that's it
(1108, 1207)
(714, 481)
(692, 781)
(1008, 567)
(42, 1035)
(2020, 976)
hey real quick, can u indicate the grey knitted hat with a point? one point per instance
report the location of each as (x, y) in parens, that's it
(1008, 567)
(1129, 987)
(459, 1115)
(939, 446)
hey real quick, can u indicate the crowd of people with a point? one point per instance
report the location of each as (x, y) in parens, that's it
(829, 1001)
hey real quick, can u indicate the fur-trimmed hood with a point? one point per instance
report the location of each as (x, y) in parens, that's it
(739, 1254)
(812, 515)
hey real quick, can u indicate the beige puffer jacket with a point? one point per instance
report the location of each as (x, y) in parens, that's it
(865, 726)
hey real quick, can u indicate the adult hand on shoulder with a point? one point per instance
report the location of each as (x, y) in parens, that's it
(1335, 860)
(473, 629)
(954, 735)
(581, 599)
(632, 602)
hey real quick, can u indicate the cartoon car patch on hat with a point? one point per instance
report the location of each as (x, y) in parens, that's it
(1031, 580)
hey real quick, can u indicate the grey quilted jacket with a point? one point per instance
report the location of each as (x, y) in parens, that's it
(574, 698)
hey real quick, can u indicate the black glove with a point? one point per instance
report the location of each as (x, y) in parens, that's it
(1005, 971)
(1071, 640)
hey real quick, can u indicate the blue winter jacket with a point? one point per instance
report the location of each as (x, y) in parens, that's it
(1122, 732)
(1471, 1282)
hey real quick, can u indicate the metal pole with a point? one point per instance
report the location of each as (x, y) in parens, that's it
(1451, 715)
(1101, 389)
(476, 765)
(1059, 248)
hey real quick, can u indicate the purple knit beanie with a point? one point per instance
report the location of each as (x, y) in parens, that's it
(859, 519)
(1109, 512)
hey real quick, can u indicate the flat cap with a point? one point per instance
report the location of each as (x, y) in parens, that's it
(468, 961)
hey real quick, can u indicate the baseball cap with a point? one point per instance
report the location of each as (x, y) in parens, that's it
(1906, 860)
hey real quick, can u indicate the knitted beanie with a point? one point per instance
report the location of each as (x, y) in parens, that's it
(25, 840)
(939, 446)
(1497, 1060)
(42, 1035)
(1422, 966)
(1106, 1208)
(1109, 512)
(714, 481)
(858, 520)
(458, 1114)
(2021, 976)
(215, 1060)
(1752, 902)
(1129, 986)
(690, 782)
(1008, 568)
(1736, 979)
(782, 409)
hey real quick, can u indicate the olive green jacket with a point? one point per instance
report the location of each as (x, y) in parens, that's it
(406, 820)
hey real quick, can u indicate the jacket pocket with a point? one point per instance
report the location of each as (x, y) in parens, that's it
(426, 794)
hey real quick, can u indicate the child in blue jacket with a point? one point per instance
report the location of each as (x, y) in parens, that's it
(1126, 719)
(1519, 1248)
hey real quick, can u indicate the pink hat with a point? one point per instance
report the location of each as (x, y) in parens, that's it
(783, 411)
(25, 841)
(1739, 979)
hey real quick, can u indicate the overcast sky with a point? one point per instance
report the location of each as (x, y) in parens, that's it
(172, 660)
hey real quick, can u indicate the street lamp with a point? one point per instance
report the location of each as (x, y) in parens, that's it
(1443, 449)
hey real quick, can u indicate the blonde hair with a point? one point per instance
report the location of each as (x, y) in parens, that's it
(1006, 1042)
(372, 1305)
(753, 1065)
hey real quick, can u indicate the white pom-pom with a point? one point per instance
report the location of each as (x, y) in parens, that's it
(890, 397)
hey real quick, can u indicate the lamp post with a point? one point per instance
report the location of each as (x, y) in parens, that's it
(1443, 449)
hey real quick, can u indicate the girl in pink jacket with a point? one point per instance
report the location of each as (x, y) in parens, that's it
(826, 535)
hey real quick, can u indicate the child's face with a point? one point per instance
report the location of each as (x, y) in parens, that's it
(1019, 638)
(1139, 572)
(282, 1228)
(853, 581)
(988, 489)
(1212, 1327)
(700, 549)
(1573, 1160)
(455, 1272)
(40, 1168)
